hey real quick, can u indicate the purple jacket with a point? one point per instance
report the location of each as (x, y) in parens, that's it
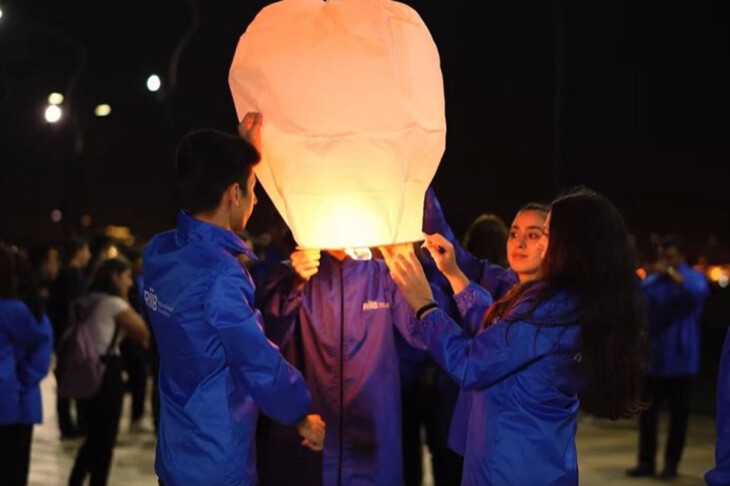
(339, 331)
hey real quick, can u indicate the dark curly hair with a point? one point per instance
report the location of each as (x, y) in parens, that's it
(589, 255)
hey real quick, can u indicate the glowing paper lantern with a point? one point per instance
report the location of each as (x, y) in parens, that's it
(354, 126)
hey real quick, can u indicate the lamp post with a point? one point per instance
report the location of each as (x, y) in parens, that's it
(172, 70)
(73, 120)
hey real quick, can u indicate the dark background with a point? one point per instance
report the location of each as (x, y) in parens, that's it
(630, 98)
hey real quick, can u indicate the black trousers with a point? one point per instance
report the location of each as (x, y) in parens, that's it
(134, 359)
(676, 393)
(15, 441)
(103, 413)
(429, 404)
(412, 417)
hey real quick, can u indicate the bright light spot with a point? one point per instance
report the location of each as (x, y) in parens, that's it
(56, 215)
(53, 113)
(112, 252)
(723, 281)
(55, 99)
(154, 83)
(102, 110)
(1, 13)
(359, 253)
(715, 273)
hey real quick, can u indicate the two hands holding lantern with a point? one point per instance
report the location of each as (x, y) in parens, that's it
(407, 272)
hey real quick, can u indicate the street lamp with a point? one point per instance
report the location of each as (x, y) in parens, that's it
(53, 113)
(154, 83)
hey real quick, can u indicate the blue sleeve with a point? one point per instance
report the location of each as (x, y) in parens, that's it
(473, 303)
(720, 474)
(495, 353)
(37, 360)
(279, 303)
(695, 286)
(691, 292)
(482, 271)
(276, 386)
(434, 221)
(21, 327)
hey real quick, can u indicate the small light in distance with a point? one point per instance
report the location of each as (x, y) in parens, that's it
(154, 83)
(53, 113)
(56, 215)
(102, 110)
(55, 99)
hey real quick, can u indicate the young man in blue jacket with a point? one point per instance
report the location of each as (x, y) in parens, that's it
(217, 369)
(674, 295)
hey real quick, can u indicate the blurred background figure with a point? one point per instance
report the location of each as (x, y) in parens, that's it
(486, 239)
(136, 359)
(674, 294)
(25, 353)
(102, 247)
(45, 260)
(112, 317)
(70, 284)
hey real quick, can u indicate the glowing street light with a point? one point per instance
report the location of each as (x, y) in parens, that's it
(102, 110)
(154, 83)
(55, 98)
(53, 113)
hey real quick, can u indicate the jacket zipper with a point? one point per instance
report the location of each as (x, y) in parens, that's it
(342, 378)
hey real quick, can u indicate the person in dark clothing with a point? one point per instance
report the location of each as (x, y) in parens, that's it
(486, 239)
(45, 260)
(70, 284)
(136, 359)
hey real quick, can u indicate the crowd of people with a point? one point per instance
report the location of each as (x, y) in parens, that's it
(492, 344)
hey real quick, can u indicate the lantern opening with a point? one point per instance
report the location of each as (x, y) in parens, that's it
(359, 253)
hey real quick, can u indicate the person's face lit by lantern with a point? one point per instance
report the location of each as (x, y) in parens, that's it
(526, 244)
(244, 203)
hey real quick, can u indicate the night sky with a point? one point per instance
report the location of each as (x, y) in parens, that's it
(630, 98)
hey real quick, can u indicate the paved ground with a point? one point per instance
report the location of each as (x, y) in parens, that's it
(605, 450)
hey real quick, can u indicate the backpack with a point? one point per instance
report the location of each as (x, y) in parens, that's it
(80, 369)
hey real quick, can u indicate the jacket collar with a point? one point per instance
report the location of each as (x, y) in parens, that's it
(191, 229)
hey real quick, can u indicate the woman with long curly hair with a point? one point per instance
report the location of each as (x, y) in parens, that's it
(573, 338)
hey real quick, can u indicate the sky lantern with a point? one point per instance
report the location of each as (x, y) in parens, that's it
(354, 125)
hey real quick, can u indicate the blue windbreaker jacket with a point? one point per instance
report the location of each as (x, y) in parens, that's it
(454, 421)
(673, 315)
(339, 330)
(216, 366)
(720, 474)
(25, 355)
(526, 378)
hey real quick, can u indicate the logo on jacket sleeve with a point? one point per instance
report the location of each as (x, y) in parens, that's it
(155, 304)
(150, 298)
(375, 305)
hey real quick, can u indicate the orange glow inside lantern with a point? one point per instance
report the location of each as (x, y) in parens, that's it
(354, 128)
